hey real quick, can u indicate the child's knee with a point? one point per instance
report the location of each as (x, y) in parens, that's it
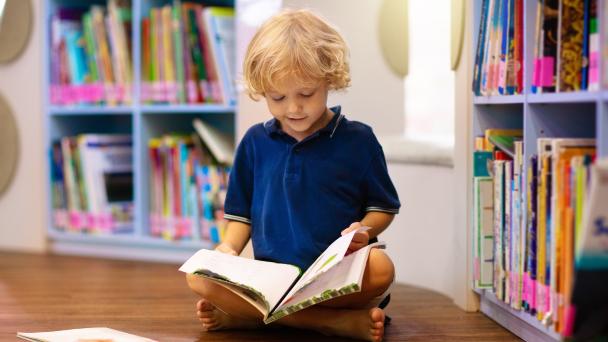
(382, 270)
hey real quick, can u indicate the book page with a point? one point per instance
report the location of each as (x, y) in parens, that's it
(84, 334)
(270, 279)
(344, 278)
(328, 259)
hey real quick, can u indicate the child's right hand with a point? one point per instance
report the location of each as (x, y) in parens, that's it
(226, 248)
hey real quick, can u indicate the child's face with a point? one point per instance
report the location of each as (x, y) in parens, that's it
(300, 107)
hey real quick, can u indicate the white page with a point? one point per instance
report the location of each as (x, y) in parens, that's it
(74, 335)
(348, 272)
(328, 259)
(269, 278)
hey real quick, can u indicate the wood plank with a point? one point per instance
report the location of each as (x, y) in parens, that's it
(51, 292)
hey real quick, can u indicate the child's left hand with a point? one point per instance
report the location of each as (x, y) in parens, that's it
(360, 239)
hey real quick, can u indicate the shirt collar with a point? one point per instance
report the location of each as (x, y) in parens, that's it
(273, 126)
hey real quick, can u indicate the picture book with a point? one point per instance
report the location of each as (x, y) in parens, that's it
(278, 290)
(83, 334)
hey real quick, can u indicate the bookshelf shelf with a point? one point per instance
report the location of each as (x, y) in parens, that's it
(582, 114)
(139, 119)
(91, 110)
(520, 323)
(507, 99)
(187, 109)
(127, 239)
(564, 97)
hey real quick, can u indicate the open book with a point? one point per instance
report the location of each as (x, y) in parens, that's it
(84, 334)
(278, 290)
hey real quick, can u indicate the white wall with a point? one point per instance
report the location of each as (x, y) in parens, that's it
(376, 94)
(22, 210)
(420, 239)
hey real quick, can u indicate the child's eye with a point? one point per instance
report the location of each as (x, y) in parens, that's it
(277, 99)
(307, 95)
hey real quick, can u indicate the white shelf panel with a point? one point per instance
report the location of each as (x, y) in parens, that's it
(518, 322)
(127, 240)
(187, 109)
(582, 96)
(90, 110)
(501, 99)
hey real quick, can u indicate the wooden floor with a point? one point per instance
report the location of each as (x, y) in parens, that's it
(47, 292)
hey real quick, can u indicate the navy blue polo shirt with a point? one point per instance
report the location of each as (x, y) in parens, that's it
(299, 196)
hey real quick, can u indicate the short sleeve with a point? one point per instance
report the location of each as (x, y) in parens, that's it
(379, 190)
(237, 206)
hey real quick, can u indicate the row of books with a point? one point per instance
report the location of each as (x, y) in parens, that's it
(90, 54)
(92, 183)
(187, 191)
(533, 222)
(499, 63)
(188, 54)
(566, 46)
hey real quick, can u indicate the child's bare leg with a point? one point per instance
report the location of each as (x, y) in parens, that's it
(347, 315)
(219, 308)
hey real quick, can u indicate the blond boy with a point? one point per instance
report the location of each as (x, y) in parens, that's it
(303, 178)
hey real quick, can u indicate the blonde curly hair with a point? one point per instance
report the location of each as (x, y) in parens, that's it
(299, 44)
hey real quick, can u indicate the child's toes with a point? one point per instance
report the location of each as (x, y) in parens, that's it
(205, 314)
(204, 305)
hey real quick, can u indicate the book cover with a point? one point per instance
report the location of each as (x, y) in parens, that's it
(549, 38)
(571, 46)
(219, 144)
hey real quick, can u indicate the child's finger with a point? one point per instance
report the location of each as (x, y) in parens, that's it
(362, 237)
(353, 226)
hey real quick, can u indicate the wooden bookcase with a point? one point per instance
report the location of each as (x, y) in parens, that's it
(575, 114)
(143, 121)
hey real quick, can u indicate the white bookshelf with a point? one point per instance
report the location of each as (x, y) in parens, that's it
(576, 114)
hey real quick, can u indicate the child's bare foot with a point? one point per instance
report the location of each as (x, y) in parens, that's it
(215, 319)
(359, 324)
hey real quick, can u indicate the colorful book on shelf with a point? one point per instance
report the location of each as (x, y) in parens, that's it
(585, 45)
(538, 48)
(518, 52)
(548, 60)
(503, 59)
(587, 314)
(107, 176)
(561, 149)
(277, 290)
(486, 57)
(505, 143)
(186, 191)
(92, 183)
(220, 145)
(499, 205)
(220, 33)
(488, 133)
(481, 43)
(531, 237)
(483, 232)
(544, 162)
(594, 46)
(570, 51)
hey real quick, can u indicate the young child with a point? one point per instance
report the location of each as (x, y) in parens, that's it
(303, 178)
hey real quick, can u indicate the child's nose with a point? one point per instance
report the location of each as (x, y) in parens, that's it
(294, 106)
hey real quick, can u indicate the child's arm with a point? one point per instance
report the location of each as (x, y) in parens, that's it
(235, 239)
(376, 220)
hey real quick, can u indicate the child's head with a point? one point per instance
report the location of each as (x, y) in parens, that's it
(296, 46)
